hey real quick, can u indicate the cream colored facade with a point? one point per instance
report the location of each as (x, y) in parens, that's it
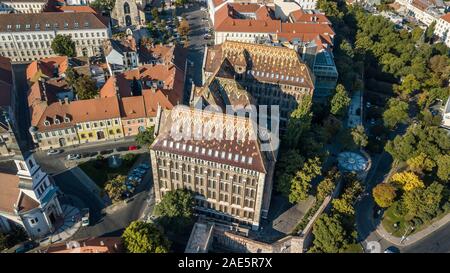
(25, 6)
(100, 130)
(442, 29)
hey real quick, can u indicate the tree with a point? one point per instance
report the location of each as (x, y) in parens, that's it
(85, 88)
(301, 182)
(359, 136)
(176, 209)
(420, 163)
(384, 195)
(299, 122)
(443, 171)
(70, 76)
(396, 113)
(325, 188)
(424, 203)
(155, 13)
(146, 137)
(141, 237)
(408, 180)
(103, 4)
(409, 85)
(430, 31)
(329, 235)
(183, 28)
(344, 204)
(63, 45)
(115, 188)
(340, 101)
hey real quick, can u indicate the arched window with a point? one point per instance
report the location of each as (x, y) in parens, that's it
(126, 8)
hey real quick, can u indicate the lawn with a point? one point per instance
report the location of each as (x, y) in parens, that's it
(99, 171)
(390, 218)
(353, 248)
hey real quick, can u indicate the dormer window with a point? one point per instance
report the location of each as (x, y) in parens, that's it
(76, 25)
(57, 121)
(66, 119)
(86, 25)
(47, 122)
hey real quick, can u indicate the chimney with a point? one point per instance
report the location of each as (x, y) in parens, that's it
(66, 100)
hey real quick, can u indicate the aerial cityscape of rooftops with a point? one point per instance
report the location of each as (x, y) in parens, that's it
(224, 126)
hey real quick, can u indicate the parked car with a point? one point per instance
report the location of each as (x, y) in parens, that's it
(132, 148)
(206, 36)
(53, 152)
(392, 249)
(73, 156)
(104, 152)
(91, 154)
(144, 166)
(25, 247)
(122, 149)
(85, 217)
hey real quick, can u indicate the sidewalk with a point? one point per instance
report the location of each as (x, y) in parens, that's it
(411, 239)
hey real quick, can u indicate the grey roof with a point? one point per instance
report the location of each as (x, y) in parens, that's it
(50, 21)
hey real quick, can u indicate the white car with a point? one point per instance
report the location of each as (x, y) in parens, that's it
(53, 152)
(73, 156)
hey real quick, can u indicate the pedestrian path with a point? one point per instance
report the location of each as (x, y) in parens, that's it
(413, 238)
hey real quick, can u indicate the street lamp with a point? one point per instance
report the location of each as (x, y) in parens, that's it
(404, 235)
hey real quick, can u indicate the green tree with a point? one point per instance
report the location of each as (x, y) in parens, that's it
(141, 237)
(421, 163)
(63, 45)
(103, 4)
(340, 101)
(146, 137)
(359, 136)
(329, 235)
(424, 203)
(409, 84)
(430, 31)
(70, 76)
(443, 170)
(301, 182)
(397, 112)
(345, 203)
(115, 188)
(175, 210)
(183, 28)
(325, 188)
(155, 14)
(299, 122)
(384, 195)
(85, 88)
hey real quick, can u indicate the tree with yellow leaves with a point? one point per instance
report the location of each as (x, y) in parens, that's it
(408, 180)
(421, 163)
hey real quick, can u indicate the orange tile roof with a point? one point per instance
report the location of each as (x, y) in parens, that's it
(91, 245)
(46, 67)
(153, 99)
(227, 21)
(132, 107)
(78, 111)
(9, 191)
(446, 17)
(301, 17)
(109, 88)
(76, 9)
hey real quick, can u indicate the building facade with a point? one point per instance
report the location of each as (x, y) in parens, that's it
(229, 177)
(127, 13)
(22, 6)
(29, 199)
(442, 29)
(28, 37)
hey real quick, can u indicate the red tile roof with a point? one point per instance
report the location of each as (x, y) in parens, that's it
(446, 17)
(132, 107)
(299, 16)
(46, 67)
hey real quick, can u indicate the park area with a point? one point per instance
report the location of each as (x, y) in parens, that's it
(100, 172)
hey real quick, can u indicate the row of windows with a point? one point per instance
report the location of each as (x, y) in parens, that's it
(100, 124)
(210, 164)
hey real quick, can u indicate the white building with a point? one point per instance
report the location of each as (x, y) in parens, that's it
(307, 4)
(121, 55)
(446, 115)
(425, 11)
(78, 2)
(28, 37)
(442, 29)
(22, 6)
(28, 198)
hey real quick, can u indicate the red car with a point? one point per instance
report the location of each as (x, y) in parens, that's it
(132, 148)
